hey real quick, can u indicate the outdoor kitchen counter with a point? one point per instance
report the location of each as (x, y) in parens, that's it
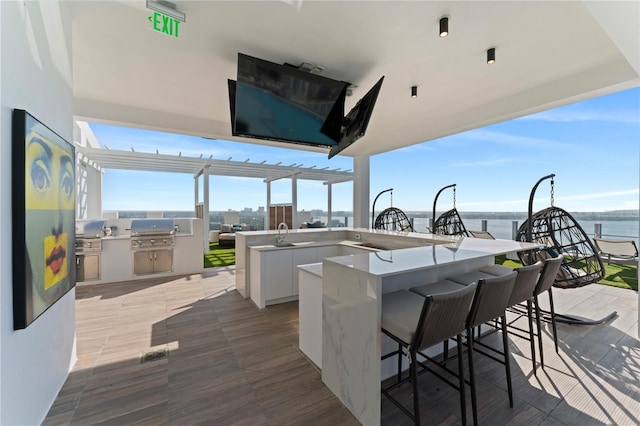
(262, 241)
(117, 256)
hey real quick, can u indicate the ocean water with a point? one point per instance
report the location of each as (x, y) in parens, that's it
(502, 228)
(499, 228)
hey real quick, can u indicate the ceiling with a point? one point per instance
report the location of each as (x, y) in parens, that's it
(548, 54)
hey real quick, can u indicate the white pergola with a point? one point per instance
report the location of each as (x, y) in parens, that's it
(101, 159)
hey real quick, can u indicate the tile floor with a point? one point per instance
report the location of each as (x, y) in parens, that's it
(231, 363)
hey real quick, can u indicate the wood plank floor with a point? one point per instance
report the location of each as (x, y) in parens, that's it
(231, 363)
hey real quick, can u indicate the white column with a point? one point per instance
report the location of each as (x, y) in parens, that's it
(294, 202)
(329, 207)
(205, 209)
(196, 187)
(268, 209)
(361, 170)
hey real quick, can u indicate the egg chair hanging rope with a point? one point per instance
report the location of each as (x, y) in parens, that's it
(561, 234)
(449, 222)
(391, 218)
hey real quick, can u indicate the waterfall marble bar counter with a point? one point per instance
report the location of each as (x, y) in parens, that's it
(352, 288)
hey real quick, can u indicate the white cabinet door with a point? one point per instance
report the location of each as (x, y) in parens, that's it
(301, 256)
(327, 251)
(347, 250)
(278, 279)
(163, 261)
(142, 262)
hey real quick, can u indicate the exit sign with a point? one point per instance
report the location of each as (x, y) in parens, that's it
(165, 24)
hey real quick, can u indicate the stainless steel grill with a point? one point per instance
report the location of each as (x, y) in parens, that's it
(151, 233)
(152, 245)
(88, 247)
(89, 235)
(151, 227)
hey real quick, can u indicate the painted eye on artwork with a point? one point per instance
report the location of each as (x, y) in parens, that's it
(67, 184)
(39, 177)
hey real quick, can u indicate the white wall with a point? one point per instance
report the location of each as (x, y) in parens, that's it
(88, 175)
(35, 75)
(361, 180)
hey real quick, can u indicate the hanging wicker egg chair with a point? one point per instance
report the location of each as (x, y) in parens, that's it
(393, 219)
(561, 233)
(450, 223)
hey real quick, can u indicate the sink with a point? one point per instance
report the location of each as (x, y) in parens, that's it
(284, 245)
(373, 246)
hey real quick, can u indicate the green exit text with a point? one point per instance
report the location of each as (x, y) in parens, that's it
(165, 24)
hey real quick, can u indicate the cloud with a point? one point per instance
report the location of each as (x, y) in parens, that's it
(570, 198)
(597, 195)
(421, 147)
(507, 139)
(484, 163)
(626, 117)
(492, 203)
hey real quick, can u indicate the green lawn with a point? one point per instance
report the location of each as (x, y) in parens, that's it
(219, 256)
(622, 276)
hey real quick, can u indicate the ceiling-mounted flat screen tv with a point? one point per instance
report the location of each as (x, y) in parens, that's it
(356, 122)
(283, 103)
(232, 103)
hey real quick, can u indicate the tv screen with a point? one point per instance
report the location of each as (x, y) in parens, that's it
(356, 122)
(283, 103)
(232, 103)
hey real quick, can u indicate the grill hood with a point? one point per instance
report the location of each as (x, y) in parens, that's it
(90, 228)
(140, 227)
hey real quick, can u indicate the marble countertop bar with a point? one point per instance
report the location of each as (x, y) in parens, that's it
(352, 290)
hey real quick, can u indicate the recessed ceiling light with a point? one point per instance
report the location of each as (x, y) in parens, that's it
(444, 26)
(491, 55)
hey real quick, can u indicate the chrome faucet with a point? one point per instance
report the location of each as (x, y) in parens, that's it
(280, 237)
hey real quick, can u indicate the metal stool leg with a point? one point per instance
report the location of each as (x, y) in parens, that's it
(399, 362)
(538, 321)
(463, 402)
(414, 380)
(553, 320)
(474, 403)
(507, 362)
(531, 337)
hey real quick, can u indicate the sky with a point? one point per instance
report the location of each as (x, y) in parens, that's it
(593, 148)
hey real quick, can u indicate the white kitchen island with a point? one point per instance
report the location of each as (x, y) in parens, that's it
(274, 273)
(251, 243)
